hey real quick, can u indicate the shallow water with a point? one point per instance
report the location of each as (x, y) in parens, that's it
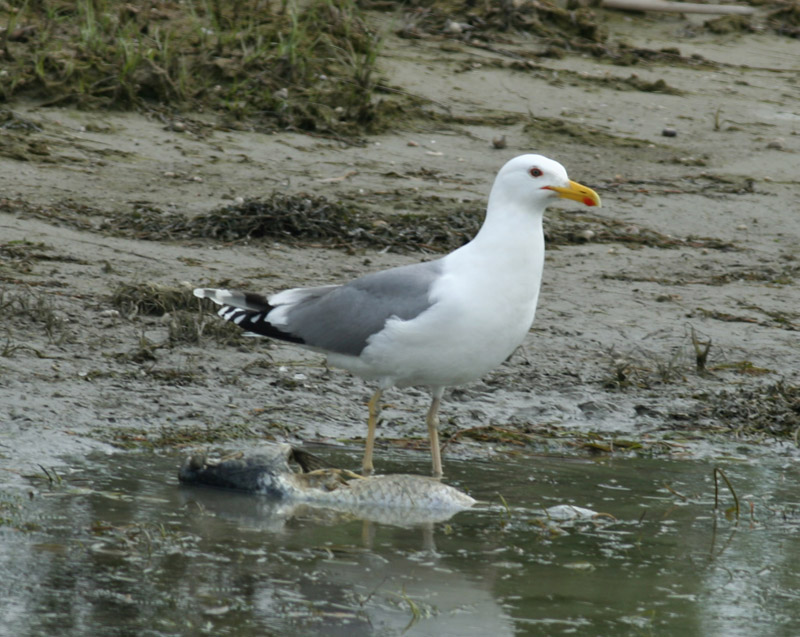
(119, 548)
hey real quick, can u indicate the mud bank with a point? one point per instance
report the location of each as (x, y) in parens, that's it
(611, 364)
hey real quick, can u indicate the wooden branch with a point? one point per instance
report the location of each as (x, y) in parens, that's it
(675, 7)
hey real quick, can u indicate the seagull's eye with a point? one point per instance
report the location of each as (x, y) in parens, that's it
(535, 172)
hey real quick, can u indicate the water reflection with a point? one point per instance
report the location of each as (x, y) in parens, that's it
(119, 548)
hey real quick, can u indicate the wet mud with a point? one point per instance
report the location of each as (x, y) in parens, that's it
(107, 220)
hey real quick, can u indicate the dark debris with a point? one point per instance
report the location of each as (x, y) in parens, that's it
(772, 408)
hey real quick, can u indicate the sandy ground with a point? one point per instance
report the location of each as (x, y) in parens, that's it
(611, 350)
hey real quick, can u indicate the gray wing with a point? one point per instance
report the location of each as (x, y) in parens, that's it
(340, 319)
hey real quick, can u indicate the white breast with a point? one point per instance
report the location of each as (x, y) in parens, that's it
(483, 307)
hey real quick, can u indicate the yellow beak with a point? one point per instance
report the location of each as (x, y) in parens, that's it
(577, 192)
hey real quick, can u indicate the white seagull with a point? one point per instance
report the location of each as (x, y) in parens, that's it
(435, 324)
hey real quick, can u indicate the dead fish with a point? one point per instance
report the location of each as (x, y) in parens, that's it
(290, 475)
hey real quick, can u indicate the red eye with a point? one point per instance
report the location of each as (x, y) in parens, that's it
(535, 172)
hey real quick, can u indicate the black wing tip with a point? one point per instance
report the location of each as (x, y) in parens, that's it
(256, 322)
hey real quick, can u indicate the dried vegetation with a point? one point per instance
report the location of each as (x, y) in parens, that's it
(179, 306)
(152, 299)
(310, 220)
(29, 309)
(782, 18)
(484, 20)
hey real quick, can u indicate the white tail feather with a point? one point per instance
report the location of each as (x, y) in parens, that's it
(220, 297)
(233, 298)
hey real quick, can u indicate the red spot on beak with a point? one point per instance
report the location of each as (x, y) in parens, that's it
(589, 202)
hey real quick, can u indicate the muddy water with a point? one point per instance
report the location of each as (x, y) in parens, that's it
(119, 548)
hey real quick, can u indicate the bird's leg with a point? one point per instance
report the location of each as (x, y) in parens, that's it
(372, 423)
(433, 431)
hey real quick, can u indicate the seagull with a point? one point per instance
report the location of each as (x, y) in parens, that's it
(434, 324)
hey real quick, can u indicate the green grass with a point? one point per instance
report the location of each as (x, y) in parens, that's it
(308, 66)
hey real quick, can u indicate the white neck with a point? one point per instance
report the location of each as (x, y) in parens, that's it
(511, 232)
(506, 256)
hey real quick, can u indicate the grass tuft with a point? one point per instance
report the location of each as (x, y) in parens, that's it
(32, 310)
(152, 299)
(308, 66)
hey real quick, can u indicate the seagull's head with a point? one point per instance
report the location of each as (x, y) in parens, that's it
(537, 180)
